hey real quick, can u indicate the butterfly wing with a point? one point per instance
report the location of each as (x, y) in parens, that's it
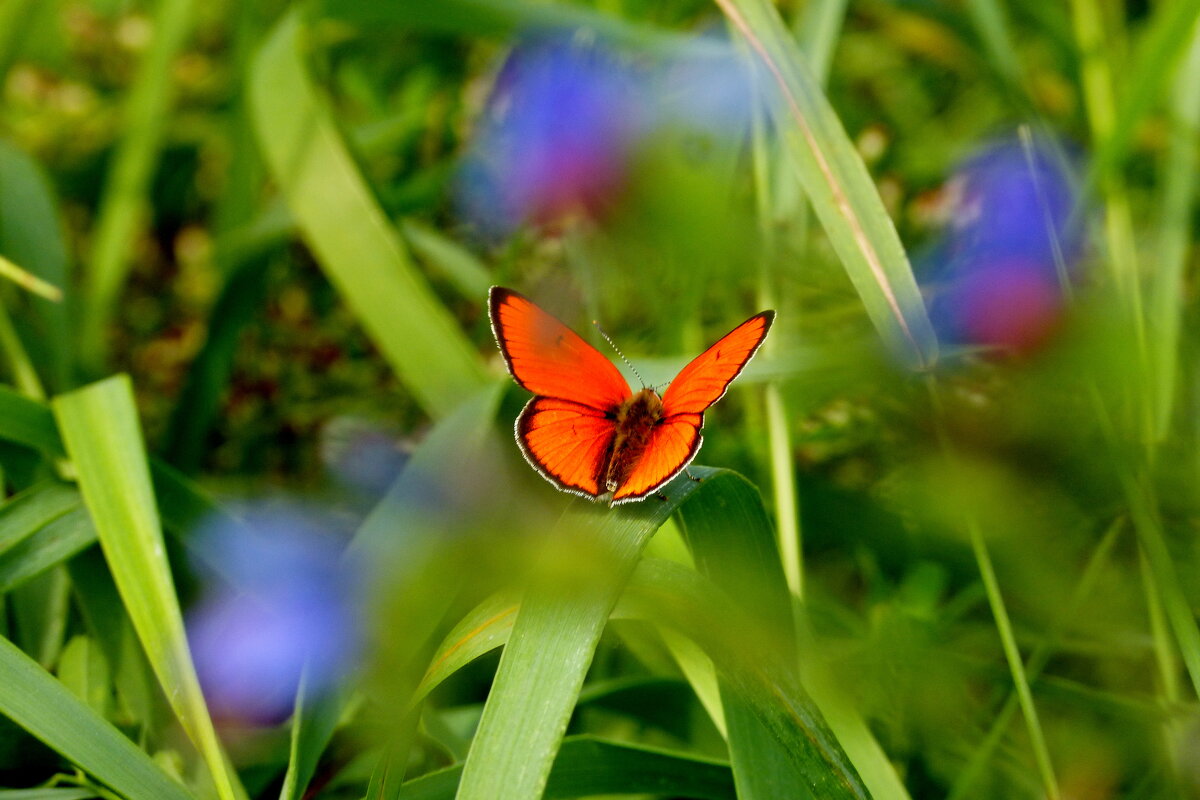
(548, 358)
(675, 438)
(567, 442)
(672, 446)
(702, 382)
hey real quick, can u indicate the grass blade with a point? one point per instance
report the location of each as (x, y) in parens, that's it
(352, 239)
(46, 547)
(587, 766)
(313, 723)
(123, 204)
(104, 440)
(551, 646)
(44, 707)
(32, 235)
(731, 539)
(839, 187)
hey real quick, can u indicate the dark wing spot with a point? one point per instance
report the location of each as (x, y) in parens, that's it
(559, 340)
(718, 356)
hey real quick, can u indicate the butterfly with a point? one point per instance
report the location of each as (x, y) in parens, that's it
(585, 430)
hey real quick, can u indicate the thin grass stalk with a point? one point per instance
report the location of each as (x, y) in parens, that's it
(1008, 639)
(779, 440)
(1099, 97)
(123, 204)
(817, 31)
(992, 25)
(29, 282)
(24, 374)
(1168, 665)
(1179, 186)
(964, 785)
(1143, 506)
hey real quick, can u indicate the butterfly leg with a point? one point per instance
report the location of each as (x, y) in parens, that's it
(691, 476)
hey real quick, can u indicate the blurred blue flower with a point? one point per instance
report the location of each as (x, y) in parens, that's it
(279, 600)
(556, 136)
(998, 277)
(710, 87)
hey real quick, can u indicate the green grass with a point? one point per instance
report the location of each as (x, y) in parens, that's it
(237, 278)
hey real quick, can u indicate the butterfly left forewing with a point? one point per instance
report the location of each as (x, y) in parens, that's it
(548, 358)
(702, 382)
(567, 442)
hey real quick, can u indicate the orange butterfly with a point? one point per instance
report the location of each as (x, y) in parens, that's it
(585, 430)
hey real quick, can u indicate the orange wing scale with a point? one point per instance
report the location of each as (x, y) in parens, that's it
(702, 382)
(548, 358)
(567, 442)
(673, 445)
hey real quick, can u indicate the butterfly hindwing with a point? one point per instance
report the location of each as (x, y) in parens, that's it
(567, 442)
(550, 359)
(673, 444)
(702, 382)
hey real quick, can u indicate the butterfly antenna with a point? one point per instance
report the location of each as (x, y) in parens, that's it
(613, 345)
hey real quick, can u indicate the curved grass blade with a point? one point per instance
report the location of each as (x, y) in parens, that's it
(839, 187)
(104, 440)
(354, 242)
(587, 766)
(33, 699)
(483, 629)
(124, 202)
(551, 646)
(47, 794)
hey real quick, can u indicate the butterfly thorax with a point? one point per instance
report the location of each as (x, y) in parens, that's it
(635, 419)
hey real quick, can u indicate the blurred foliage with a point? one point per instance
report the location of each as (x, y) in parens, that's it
(1000, 559)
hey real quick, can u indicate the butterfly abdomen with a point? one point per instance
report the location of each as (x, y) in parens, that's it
(635, 419)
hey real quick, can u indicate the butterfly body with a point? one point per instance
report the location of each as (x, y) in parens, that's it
(635, 420)
(585, 430)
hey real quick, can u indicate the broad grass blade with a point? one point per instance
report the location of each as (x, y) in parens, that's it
(839, 186)
(104, 440)
(551, 646)
(351, 238)
(44, 707)
(732, 543)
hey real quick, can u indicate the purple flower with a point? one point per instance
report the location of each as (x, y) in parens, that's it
(556, 138)
(996, 278)
(282, 602)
